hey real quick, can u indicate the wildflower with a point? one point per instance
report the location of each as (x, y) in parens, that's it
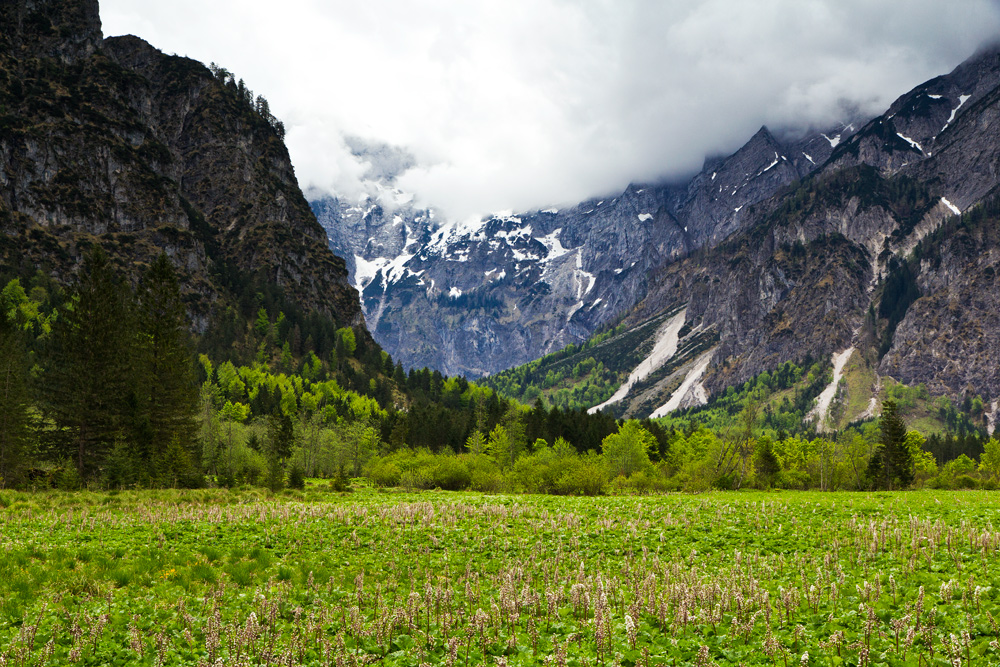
(631, 630)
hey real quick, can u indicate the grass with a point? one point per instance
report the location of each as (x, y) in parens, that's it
(318, 578)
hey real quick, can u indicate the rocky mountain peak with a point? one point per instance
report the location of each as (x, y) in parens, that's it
(475, 298)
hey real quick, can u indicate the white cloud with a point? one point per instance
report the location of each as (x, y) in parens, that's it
(512, 104)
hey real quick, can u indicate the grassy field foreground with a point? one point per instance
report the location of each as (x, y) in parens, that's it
(243, 578)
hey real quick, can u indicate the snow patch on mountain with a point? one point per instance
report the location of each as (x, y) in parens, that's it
(833, 142)
(910, 141)
(822, 409)
(962, 99)
(691, 392)
(365, 270)
(664, 348)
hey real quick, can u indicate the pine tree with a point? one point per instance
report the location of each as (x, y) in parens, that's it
(169, 387)
(500, 448)
(89, 384)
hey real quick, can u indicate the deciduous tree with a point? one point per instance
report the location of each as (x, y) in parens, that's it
(627, 451)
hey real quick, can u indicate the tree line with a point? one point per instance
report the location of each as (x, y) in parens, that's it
(642, 458)
(102, 384)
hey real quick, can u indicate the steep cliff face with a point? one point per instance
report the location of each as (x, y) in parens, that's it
(476, 298)
(816, 269)
(66, 31)
(113, 142)
(949, 337)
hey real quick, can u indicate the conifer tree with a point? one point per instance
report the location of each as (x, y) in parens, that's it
(14, 402)
(891, 465)
(89, 384)
(169, 387)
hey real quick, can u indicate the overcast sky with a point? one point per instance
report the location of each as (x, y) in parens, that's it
(519, 104)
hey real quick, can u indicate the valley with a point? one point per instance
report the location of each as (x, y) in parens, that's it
(743, 416)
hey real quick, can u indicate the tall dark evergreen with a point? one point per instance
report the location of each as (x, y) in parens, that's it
(167, 382)
(14, 401)
(89, 384)
(891, 465)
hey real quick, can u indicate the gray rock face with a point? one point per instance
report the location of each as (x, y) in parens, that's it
(925, 122)
(66, 30)
(474, 299)
(950, 335)
(801, 278)
(113, 142)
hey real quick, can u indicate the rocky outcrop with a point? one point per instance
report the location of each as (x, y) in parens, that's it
(113, 142)
(66, 30)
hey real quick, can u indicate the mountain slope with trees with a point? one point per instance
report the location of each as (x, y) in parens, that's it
(882, 258)
(111, 142)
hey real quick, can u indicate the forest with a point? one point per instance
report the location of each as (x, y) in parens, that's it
(103, 386)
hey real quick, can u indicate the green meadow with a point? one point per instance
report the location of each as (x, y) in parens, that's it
(244, 577)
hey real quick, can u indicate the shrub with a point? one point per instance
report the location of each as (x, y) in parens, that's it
(383, 472)
(68, 479)
(275, 474)
(792, 479)
(484, 474)
(415, 478)
(450, 473)
(340, 483)
(586, 476)
(965, 482)
(620, 486)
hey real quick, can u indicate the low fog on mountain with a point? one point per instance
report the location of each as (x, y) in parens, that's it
(524, 104)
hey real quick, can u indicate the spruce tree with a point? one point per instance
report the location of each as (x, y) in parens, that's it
(891, 465)
(14, 402)
(168, 384)
(89, 385)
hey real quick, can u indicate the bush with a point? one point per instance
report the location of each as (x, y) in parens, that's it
(484, 475)
(725, 482)
(586, 476)
(792, 479)
(275, 474)
(340, 483)
(620, 486)
(450, 473)
(68, 479)
(383, 472)
(415, 478)
(965, 482)
(648, 481)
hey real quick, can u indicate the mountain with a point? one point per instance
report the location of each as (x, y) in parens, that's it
(477, 297)
(883, 259)
(111, 142)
